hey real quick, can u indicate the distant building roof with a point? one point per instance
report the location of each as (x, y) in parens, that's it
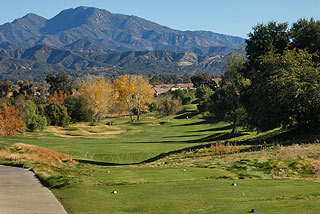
(216, 80)
(165, 88)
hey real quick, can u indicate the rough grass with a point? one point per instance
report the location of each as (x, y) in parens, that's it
(24, 152)
(52, 168)
(296, 161)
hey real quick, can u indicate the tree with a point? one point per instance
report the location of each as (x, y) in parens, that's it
(305, 34)
(203, 79)
(6, 88)
(185, 95)
(34, 121)
(168, 105)
(226, 101)
(78, 108)
(203, 93)
(60, 83)
(143, 94)
(99, 94)
(41, 93)
(57, 98)
(26, 89)
(264, 39)
(10, 121)
(287, 93)
(133, 93)
(57, 115)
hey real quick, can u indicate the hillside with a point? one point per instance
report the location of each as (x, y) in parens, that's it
(87, 40)
(92, 29)
(36, 62)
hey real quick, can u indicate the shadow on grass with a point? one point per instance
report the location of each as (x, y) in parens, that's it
(215, 137)
(189, 114)
(223, 128)
(203, 122)
(194, 135)
(281, 137)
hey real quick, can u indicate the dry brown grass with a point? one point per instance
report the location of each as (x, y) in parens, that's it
(24, 152)
(296, 151)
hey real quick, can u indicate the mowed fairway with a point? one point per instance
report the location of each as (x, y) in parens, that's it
(140, 141)
(160, 188)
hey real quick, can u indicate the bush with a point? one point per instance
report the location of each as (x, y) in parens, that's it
(153, 107)
(78, 109)
(169, 106)
(57, 115)
(34, 121)
(186, 96)
(10, 121)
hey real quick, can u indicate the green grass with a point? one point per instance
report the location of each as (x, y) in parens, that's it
(187, 181)
(140, 141)
(189, 196)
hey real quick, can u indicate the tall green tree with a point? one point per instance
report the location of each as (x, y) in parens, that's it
(226, 102)
(287, 93)
(305, 34)
(34, 121)
(203, 79)
(61, 83)
(270, 38)
(78, 108)
(57, 115)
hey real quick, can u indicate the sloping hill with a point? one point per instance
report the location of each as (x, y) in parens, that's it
(92, 29)
(36, 62)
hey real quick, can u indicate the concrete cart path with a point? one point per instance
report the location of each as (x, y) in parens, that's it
(22, 193)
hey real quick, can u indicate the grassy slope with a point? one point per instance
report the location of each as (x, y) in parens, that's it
(165, 188)
(140, 142)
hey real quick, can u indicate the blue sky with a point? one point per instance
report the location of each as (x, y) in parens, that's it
(232, 17)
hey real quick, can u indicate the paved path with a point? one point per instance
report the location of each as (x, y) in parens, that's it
(22, 193)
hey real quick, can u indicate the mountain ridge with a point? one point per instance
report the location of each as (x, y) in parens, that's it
(87, 40)
(36, 62)
(118, 32)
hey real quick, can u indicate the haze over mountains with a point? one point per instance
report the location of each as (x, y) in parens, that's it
(90, 40)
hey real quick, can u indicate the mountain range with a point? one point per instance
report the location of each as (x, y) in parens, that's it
(91, 40)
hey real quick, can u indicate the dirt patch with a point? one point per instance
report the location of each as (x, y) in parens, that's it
(156, 124)
(85, 131)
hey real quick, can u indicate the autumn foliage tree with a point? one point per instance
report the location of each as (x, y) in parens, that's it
(134, 92)
(57, 98)
(10, 121)
(99, 94)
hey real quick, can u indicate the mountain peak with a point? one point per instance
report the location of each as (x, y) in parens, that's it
(110, 31)
(31, 18)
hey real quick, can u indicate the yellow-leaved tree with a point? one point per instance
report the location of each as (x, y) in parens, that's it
(134, 92)
(100, 95)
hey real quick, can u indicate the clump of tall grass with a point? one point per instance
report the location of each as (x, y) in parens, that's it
(220, 148)
(53, 169)
(296, 151)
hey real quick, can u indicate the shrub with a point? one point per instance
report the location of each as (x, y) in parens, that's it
(186, 96)
(10, 121)
(169, 106)
(153, 107)
(34, 121)
(78, 108)
(57, 115)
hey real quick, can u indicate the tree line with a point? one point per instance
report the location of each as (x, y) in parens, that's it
(274, 83)
(58, 101)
